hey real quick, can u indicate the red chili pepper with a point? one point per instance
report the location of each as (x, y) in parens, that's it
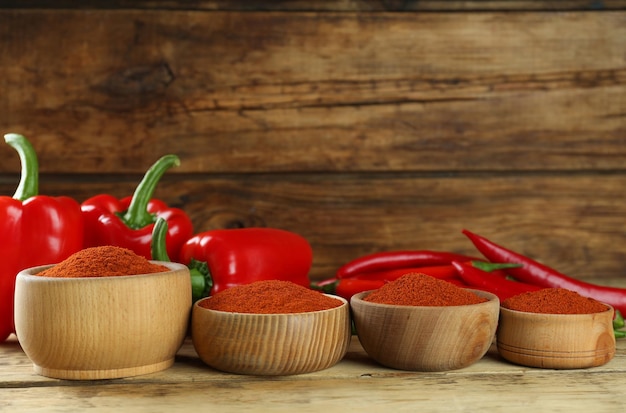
(533, 272)
(36, 229)
(443, 272)
(437, 271)
(244, 255)
(347, 287)
(390, 260)
(495, 284)
(129, 222)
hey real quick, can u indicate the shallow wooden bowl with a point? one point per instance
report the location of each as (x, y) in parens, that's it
(271, 344)
(557, 341)
(102, 327)
(421, 338)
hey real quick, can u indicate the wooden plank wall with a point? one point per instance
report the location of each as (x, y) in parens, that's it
(362, 125)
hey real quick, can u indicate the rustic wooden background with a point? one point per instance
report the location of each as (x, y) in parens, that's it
(362, 125)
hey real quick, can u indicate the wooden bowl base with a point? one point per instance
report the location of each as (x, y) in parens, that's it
(556, 359)
(102, 374)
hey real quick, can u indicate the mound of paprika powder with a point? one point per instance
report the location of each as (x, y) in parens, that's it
(418, 289)
(554, 301)
(270, 297)
(103, 261)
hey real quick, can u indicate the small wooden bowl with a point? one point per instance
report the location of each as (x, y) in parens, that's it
(102, 327)
(271, 344)
(557, 341)
(421, 338)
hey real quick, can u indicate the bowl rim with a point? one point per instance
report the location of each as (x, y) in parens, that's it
(491, 298)
(344, 303)
(31, 273)
(530, 314)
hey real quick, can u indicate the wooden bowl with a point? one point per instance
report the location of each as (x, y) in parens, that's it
(557, 341)
(271, 344)
(102, 327)
(421, 338)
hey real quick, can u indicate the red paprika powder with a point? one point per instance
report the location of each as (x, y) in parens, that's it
(418, 289)
(554, 301)
(270, 297)
(103, 261)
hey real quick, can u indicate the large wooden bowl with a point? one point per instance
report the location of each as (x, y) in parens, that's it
(557, 341)
(421, 338)
(102, 327)
(271, 344)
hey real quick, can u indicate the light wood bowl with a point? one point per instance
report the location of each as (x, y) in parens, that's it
(557, 341)
(102, 327)
(271, 344)
(421, 338)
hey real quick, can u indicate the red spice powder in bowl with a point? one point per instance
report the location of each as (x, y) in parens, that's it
(102, 261)
(555, 328)
(270, 328)
(422, 323)
(554, 301)
(422, 290)
(103, 313)
(270, 297)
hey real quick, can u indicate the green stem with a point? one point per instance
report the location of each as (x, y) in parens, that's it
(158, 246)
(137, 215)
(29, 180)
(329, 288)
(201, 281)
(492, 266)
(618, 320)
(619, 333)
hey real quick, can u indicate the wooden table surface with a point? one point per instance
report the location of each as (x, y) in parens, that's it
(355, 384)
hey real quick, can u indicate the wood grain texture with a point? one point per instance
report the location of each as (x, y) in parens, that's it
(271, 344)
(423, 338)
(102, 327)
(556, 341)
(355, 383)
(386, 130)
(327, 5)
(572, 223)
(300, 92)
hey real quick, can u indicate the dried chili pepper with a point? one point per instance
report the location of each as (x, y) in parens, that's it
(443, 272)
(391, 260)
(437, 271)
(347, 287)
(533, 272)
(495, 284)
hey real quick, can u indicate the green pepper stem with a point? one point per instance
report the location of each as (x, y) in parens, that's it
(492, 266)
(201, 281)
(29, 180)
(618, 320)
(329, 288)
(198, 285)
(137, 215)
(158, 246)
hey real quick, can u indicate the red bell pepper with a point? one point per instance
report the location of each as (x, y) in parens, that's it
(128, 222)
(36, 229)
(245, 255)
